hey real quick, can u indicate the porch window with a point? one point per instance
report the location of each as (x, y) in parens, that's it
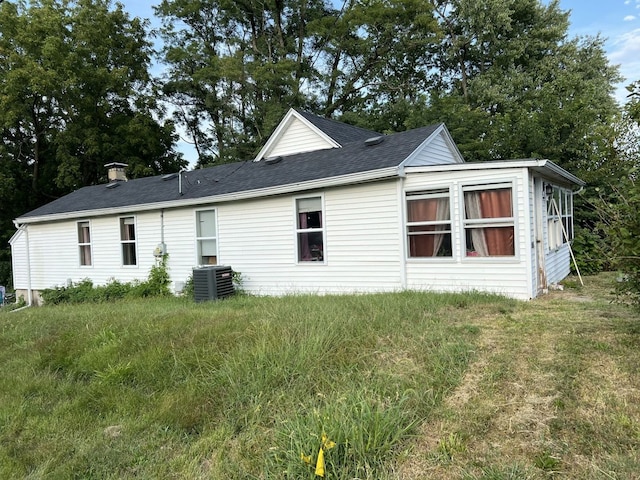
(128, 240)
(429, 224)
(559, 217)
(488, 221)
(84, 243)
(207, 237)
(310, 229)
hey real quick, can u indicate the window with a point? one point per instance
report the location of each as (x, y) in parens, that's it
(309, 229)
(488, 221)
(206, 237)
(84, 243)
(559, 217)
(128, 240)
(429, 224)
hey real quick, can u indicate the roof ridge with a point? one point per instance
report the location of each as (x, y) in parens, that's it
(339, 131)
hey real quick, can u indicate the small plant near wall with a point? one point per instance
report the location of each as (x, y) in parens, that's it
(157, 284)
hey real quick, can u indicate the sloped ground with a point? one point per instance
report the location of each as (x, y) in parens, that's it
(554, 392)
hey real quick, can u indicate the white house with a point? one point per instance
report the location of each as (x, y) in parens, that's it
(325, 207)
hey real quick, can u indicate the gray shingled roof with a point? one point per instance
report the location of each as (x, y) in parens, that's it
(354, 157)
(342, 133)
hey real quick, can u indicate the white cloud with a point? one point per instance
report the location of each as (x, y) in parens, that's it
(624, 50)
(629, 18)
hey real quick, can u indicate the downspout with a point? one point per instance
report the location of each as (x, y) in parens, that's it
(162, 227)
(403, 242)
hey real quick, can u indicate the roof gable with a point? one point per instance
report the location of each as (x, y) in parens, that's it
(301, 132)
(437, 149)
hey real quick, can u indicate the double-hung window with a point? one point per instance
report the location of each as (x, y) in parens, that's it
(310, 229)
(206, 237)
(559, 217)
(429, 223)
(84, 243)
(128, 240)
(489, 224)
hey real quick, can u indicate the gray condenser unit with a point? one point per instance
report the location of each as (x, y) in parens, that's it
(212, 283)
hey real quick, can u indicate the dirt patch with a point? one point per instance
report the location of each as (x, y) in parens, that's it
(502, 408)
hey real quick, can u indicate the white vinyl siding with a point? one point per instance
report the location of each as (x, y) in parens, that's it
(297, 138)
(437, 151)
(19, 259)
(364, 234)
(362, 238)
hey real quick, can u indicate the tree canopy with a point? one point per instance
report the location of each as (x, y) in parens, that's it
(75, 94)
(76, 90)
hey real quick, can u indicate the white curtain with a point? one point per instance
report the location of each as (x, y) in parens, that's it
(472, 205)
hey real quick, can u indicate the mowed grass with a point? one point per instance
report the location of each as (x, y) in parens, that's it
(408, 385)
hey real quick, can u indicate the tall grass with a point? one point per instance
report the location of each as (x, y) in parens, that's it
(243, 388)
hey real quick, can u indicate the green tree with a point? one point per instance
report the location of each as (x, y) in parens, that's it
(236, 67)
(617, 201)
(75, 93)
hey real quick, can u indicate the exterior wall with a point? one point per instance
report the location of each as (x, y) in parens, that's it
(362, 242)
(503, 275)
(19, 259)
(256, 238)
(558, 264)
(297, 138)
(364, 250)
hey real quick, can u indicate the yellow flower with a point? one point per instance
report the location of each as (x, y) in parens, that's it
(305, 458)
(326, 443)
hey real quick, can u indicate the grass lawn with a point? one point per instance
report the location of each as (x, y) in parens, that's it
(403, 386)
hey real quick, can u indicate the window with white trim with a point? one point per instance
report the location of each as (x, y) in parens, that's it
(84, 243)
(310, 229)
(559, 217)
(128, 240)
(206, 237)
(429, 223)
(489, 225)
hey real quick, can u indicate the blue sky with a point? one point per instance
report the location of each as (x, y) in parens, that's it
(617, 21)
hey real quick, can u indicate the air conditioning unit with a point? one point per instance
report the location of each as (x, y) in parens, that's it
(212, 283)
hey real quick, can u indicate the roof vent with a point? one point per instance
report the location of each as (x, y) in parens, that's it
(112, 185)
(369, 142)
(169, 176)
(273, 160)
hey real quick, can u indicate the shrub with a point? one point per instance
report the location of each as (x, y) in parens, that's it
(157, 284)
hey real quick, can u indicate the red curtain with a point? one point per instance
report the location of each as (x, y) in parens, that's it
(497, 204)
(422, 211)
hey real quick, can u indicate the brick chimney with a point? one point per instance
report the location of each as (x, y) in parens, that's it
(116, 172)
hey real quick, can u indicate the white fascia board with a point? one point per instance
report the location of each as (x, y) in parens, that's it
(282, 127)
(542, 166)
(342, 180)
(16, 235)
